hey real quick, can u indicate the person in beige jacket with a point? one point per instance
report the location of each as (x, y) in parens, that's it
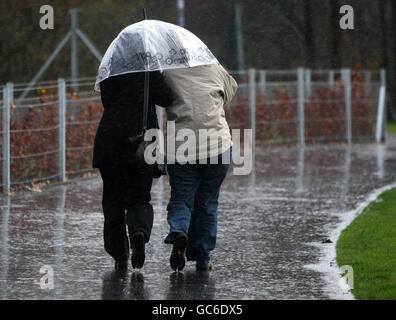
(198, 159)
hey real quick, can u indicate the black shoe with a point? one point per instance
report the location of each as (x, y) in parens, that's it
(204, 267)
(137, 243)
(178, 255)
(121, 265)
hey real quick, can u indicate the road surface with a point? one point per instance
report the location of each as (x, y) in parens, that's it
(271, 225)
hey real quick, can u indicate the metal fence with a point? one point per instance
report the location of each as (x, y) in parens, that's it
(47, 131)
(310, 106)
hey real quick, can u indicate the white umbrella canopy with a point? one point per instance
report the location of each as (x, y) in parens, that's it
(152, 45)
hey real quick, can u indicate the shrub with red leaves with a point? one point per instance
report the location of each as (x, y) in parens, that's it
(277, 119)
(34, 144)
(34, 136)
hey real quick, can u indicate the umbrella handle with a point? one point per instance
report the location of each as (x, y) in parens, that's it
(146, 91)
(146, 101)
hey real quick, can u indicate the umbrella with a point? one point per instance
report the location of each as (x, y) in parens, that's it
(152, 45)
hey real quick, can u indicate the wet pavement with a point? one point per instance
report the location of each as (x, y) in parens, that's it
(271, 225)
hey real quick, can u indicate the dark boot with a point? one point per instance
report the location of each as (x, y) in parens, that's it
(121, 265)
(138, 250)
(204, 267)
(178, 255)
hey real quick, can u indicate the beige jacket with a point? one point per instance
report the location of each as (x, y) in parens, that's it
(200, 95)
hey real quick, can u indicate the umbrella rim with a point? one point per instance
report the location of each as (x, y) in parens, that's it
(161, 68)
(97, 83)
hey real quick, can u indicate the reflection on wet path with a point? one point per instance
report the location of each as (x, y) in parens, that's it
(268, 223)
(117, 285)
(5, 213)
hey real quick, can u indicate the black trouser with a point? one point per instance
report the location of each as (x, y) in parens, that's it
(125, 190)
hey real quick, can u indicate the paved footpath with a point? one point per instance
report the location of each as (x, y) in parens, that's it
(271, 225)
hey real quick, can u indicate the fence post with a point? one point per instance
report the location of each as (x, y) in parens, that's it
(331, 80)
(263, 81)
(300, 107)
(346, 78)
(8, 97)
(381, 112)
(62, 128)
(384, 119)
(308, 76)
(252, 104)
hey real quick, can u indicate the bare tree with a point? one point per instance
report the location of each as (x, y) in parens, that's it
(382, 6)
(309, 35)
(392, 68)
(336, 34)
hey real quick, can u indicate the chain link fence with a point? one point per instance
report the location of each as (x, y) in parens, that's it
(47, 132)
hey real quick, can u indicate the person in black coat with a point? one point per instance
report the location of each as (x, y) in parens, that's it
(126, 189)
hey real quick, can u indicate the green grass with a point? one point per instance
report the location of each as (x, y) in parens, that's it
(391, 127)
(369, 246)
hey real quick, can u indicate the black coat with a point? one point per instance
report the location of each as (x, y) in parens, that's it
(122, 98)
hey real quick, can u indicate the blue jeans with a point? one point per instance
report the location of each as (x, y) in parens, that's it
(192, 208)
